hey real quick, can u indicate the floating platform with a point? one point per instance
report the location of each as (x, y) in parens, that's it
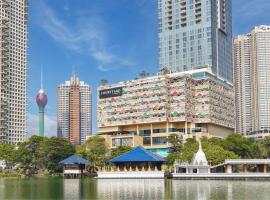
(222, 176)
(131, 175)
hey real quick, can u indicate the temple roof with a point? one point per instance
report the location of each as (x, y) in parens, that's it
(74, 160)
(138, 154)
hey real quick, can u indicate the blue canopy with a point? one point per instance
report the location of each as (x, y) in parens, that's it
(138, 154)
(74, 160)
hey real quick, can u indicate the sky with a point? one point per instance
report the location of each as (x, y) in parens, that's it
(101, 39)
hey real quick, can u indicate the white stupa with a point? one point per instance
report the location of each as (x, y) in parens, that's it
(200, 158)
(199, 164)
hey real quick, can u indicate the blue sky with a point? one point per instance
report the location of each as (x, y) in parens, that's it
(101, 39)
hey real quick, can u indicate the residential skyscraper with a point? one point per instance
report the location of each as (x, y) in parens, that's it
(196, 34)
(74, 110)
(13, 70)
(252, 86)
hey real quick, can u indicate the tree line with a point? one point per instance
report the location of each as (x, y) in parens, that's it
(43, 153)
(217, 150)
(46, 153)
(37, 153)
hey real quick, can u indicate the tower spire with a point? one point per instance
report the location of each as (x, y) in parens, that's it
(41, 78)
(73, 71)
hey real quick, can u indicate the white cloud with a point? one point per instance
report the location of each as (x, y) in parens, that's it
(85, 36)
(33, 123)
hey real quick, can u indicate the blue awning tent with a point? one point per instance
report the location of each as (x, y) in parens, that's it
(138, 154)
(74, 160)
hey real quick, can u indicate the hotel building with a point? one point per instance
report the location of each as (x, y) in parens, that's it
(13, 70)
(74, 110)
(146, 111)
(252, 86)
(195, 34)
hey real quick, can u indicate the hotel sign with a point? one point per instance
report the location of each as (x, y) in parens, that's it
(114, 92)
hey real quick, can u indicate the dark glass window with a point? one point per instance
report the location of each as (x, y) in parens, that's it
(145, 132)
(161, 130)
(159, 140)
(146, 141)
(172, 130)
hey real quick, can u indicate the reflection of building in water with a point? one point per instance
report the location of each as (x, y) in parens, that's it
(192, 190)
(201, 189)
(131, 188)
(72, 188)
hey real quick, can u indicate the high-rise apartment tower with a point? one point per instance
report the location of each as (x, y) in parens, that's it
(74, 110)
(13, 70)
(196, 34)
(252, 81)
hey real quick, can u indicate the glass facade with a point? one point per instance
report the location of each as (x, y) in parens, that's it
(195, 34)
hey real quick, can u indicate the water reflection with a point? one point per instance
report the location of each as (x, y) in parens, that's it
(59, 188)
(130, 189)
(72, 188)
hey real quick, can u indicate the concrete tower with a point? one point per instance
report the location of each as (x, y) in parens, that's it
(41, 100)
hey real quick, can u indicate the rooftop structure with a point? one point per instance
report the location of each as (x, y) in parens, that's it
(146, 111)
(138, 154)
(74, 159)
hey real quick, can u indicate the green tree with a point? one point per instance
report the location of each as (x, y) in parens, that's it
(217, 155)
(244, 147)
(175, 149)
(164, 71)
(266, 146)
(143, 74)
(176, 143)
(119, 151)
(96, 151)
(189, 149)
(214, 153)
(27, 154)
(7, 153)
(52, 151)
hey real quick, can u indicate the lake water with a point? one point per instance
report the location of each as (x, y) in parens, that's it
(59, 188)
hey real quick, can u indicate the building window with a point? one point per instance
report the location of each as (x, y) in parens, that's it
(159, 140)
(145, 132)
(146, 141)
(162, 130)
(122, 142)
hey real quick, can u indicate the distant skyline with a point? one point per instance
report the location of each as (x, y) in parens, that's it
(101, 39)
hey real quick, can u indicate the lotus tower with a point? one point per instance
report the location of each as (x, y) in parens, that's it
(41, 100)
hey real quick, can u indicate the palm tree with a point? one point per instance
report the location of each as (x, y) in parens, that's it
(164, 71)
(143, 74)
